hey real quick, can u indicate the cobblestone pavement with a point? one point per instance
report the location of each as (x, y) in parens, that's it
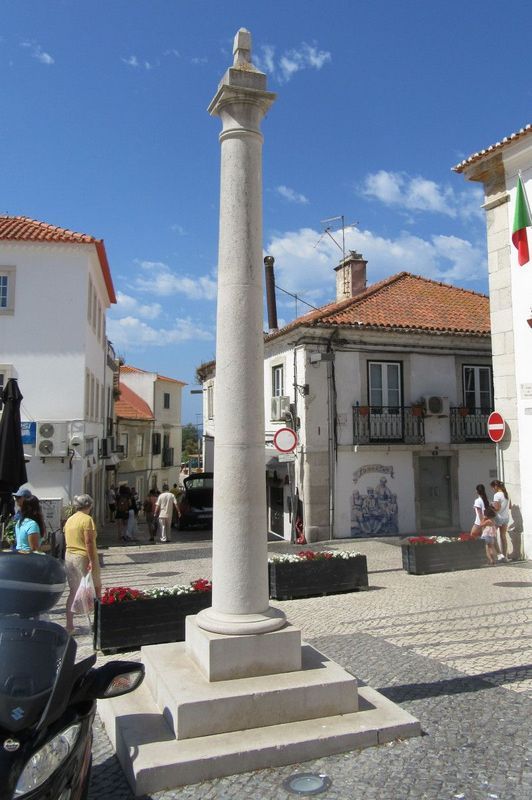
(454, 649)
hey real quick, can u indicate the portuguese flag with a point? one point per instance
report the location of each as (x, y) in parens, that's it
(522, 221)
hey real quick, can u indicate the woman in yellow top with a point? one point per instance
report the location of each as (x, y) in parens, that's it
(81, 553)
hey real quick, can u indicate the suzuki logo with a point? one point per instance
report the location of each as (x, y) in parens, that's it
(17, 713)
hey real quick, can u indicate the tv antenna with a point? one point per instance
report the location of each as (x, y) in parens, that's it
(327, 232)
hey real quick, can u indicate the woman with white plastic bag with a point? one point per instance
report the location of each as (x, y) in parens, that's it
(81, 556)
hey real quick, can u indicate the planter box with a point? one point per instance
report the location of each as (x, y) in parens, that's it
(423, 559)
(139, 622)
(320, 577)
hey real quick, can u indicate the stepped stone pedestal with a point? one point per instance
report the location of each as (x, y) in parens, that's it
(181, 728)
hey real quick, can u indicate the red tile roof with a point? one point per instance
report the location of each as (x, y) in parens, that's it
(513, 137)
(131, 406)
(404, 302)
(24, 229)
(126, 368)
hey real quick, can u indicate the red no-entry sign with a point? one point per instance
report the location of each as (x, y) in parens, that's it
(285, 440)
(496, 426)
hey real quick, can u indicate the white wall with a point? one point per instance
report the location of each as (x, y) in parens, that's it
(50, 343)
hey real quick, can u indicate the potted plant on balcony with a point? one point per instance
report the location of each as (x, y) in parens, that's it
(418, 408)
(363, 410)
(463, 411)
(424, 555)
(130, 618)
(309, 572)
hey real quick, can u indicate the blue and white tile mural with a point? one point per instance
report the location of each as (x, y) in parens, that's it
(373, 505)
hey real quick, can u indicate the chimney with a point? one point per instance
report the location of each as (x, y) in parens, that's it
(270, 293)
(350, 276)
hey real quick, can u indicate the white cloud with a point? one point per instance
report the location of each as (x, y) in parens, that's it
(176, 228)
(305, 56)
(292, 195)
(163, 282)
(125, 304)
(38, 53)
(421, 194)
(305, 267)
(132, 61)
(132, 332)
(199, 60)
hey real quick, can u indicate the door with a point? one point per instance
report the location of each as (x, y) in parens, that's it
(385, 401)
(277, 510)
(434, 492)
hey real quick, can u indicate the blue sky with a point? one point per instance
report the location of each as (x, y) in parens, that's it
(104, 130)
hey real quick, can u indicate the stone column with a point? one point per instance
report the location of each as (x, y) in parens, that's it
(240, 573)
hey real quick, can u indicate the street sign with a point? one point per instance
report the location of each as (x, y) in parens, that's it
(285, 440)
(496, 426)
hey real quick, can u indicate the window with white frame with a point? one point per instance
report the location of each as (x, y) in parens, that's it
(124, 442)
(384, 385)
(5, 374)
(140, 444)
(210, 401)
(87, 394)
(7, 290)
(278, 380)
(477, 383)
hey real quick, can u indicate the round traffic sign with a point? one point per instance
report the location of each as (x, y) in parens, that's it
(496, 426)
(285, 440)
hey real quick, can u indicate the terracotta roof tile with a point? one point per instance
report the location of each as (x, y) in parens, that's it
(24, 229)
(131, 406)
(127, 369)
(407, 302)
(513, 137)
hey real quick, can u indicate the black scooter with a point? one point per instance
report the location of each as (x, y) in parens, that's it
(47, 700)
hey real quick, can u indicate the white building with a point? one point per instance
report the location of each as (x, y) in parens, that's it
(163, 448)
(55, 287)
(497, 168)
(389, 389)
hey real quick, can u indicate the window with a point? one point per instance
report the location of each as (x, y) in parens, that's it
(124, 443)
(97, 399)
(140, 444)
(384, 385)
(156, 444)
(166, 400)
(99, 325)
(210, 401)
(91, 411)
(7, 290)
(87, 393)
(5, 374)
(477, 389)
(89, 304)
(94, 309)
(278, 381)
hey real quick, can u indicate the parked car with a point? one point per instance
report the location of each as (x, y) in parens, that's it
(195, 504)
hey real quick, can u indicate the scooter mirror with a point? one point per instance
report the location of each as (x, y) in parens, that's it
(115, 678)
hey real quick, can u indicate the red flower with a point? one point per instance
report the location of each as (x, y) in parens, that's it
(201, 585)
(421, 540)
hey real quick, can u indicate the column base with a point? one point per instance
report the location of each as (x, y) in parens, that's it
(241, 624)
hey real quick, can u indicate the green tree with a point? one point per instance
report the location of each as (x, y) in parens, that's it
(189, 441)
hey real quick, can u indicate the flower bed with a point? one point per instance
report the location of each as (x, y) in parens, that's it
(130, 618)
(311, 572)
(423, 555)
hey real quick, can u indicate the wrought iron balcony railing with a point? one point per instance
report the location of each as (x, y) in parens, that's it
(469, 424)
(387, 424)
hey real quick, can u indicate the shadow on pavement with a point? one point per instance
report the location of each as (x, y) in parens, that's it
(458, 685)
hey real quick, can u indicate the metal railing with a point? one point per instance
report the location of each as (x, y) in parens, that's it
(469, 424)
(388, 424)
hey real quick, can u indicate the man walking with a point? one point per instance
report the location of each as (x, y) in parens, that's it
(164, 508)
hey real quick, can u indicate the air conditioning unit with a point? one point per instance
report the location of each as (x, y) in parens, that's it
(436, 406)
(280, 406)
(52, 439)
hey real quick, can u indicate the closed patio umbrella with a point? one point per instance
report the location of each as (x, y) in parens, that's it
(12, 462)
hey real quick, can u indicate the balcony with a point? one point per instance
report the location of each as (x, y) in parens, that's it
(469, 424)
(167, 457)
(387, 425)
